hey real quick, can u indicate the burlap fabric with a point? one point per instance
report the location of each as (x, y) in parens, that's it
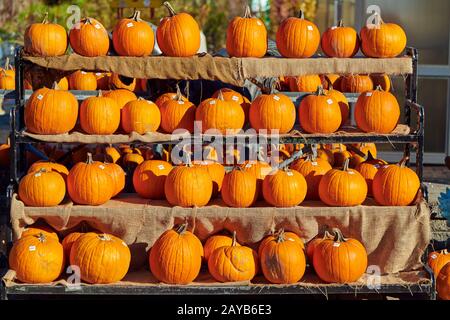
(395, 237)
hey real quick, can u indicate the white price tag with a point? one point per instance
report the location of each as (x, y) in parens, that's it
(290, 174)
(276, 98)
(83, 72)
(32, 248)
(336, 244)
(259, 23)
(37, 174)
(101, 167)
(235, 98)
(130, 24)
(98, 74)
(161, 167)
(351, 172)
(40, 97)
(180, 102)
(333, 28)
(97, 26)
(248, 165)
(433, 256)
(310, 28)
(212, 102)
(368, 94)
(330, 101)
(314, 164)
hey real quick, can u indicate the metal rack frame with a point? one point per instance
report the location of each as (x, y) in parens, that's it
(415, 140)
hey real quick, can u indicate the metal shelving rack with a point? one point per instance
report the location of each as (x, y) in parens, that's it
(413, 140)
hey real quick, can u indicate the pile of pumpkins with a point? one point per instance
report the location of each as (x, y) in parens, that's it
(55, 111)
(439, 262)
(178, 35)
(356, 175)
(177, 255)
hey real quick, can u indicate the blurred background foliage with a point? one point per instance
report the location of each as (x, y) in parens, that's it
(212, 15)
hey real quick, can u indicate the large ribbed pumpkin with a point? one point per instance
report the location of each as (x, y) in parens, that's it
(339, 260)
(121, 96)
(395, 185)
(188, 186)
(178, 34)
(247, 36)
(177, 114)
(368, 169)
(133, 37)
(226, 117)
(176, 257)
(216, 171)
(443, 283)
(140, 116)
(89, 38)
(82, 80)
(102, 258)
(377, 111)
(51, 111)
(320, 113)
(343, 188)
(90, 183)
(340, 42)
(232, 263)
(231, 95)
(356, 83)
(282, 260)
(306, 83)
(118, 176)
(297, 37)
(239, 188)
(42, 188)
(284, 188)
(386, 40)
(149, 178)
(99, 115)
(37, 259)
(437, 260)
(216, 241)
(313, 170)
(272, 112)
(45, 39)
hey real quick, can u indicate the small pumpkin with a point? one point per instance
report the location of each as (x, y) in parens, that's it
(343, 188)
(121, 96)
(231, 95)
(297, 37)
(364, 148)
(326, 155)
(331, 80)
(149, 178)
(37, 259)
(132, 160)
(232, 263)
(312, 244)
(42, 188)
(216, 241)
(356, 83)
(340, 41)
(339, 260)
(341, 154)
(177, 114)
(49, 166)
(68, 242)
(90, 183)
(178, 34)
(39, 228)
(89, 38)
(320, 113)
(284, 188)
(342, 101)
(216, 171)
(377, 111)
(306, 83)
(118, 176)
(140, 116)
(112, 154)
(82, 80)
(437, 260)
(102, 258)
(45, 39)
(7, 82)
(382, 80)
(260, 170)
(176, 256)
(117, 81)
(443, 283)
(239, 188)
(282, 261)
(99, 115)
(169, 96)
(133, 37)
(395, 185)
(102, 80)
(368, 169)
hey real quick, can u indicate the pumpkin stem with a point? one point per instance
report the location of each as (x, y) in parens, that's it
(220, 96)
(233, 244)
(41, 237)
(87, 20)
(100, 94)
(104, 237)
(341, 23)
(346, 164)
(379, 88)
(301, 14)
(89, 158)
(403, 162)
(170, 8)
(320, 91)
(7, 65)
(338, 236)
(179, 95)
(41, 170)
(281, 236)
(182, 228)
(55, 86)
(45, 20)
(248, 12)
(136, 16)
(327, 235)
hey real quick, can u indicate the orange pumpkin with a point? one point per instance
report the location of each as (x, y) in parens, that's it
(443, 283)
(4, 155)
(239, 188)
(272, 112)
(49, 166)
(326, 155)
(176, 256)
(216, 241)
(339, 260)
(282, 261)
(99, 115)
(341, 154)
(169, 96)
(284, 188)
(37, 259)
(216, 171)
(178, 34)
(297, 38)
(319, 113)
(232, 263)
(45, 39)
(312, 244)
(117, 81)
(7, 82)
(246, 36)
(132, 160)
(395, 185)
(364, 148)
(90, 183)
(288, 236)
(382, 80)
(340, 41)
(51, 111)
(102, 258)
(149, 178)
(226, 117)
(188, 186)
(231, 95)
(331, 80)
(260, 170)
(133, 37)
(437, 260)
(42, 188)
(377, 111)
(118, 176)
(121, 96)
(89, 38)
(306, 83)
(342, 101)
(102, 80)
(177, 114)
(68, 242)
(343, 188)
(312, 169)
(112, 154)
(140, 116)
(386, 40)
(368, 169)
(82, 80)
(356, 83)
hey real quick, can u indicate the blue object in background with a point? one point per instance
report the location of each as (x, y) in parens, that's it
(444, 204)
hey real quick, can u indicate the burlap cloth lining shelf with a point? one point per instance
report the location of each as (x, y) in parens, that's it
(154, 137)
(229, 70)
(395, 237)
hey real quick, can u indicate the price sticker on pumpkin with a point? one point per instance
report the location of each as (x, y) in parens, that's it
(32, 248)
(235, 98)
(40, 97)
(248, 165)
(333, 28)
(351, 172)
(368, 94)
(97, 26)
(330, 101)
(259, 23)
(83, 72)
(130, 24)
(101, 167)
(180, 102)
(37, 174)
(310, 28)
(289, 173)
(433, 256)
(276, 98)
(336, 244)
(161, 167)
(315, 164)
(212, 102)
(124, 244)
(98, 74)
